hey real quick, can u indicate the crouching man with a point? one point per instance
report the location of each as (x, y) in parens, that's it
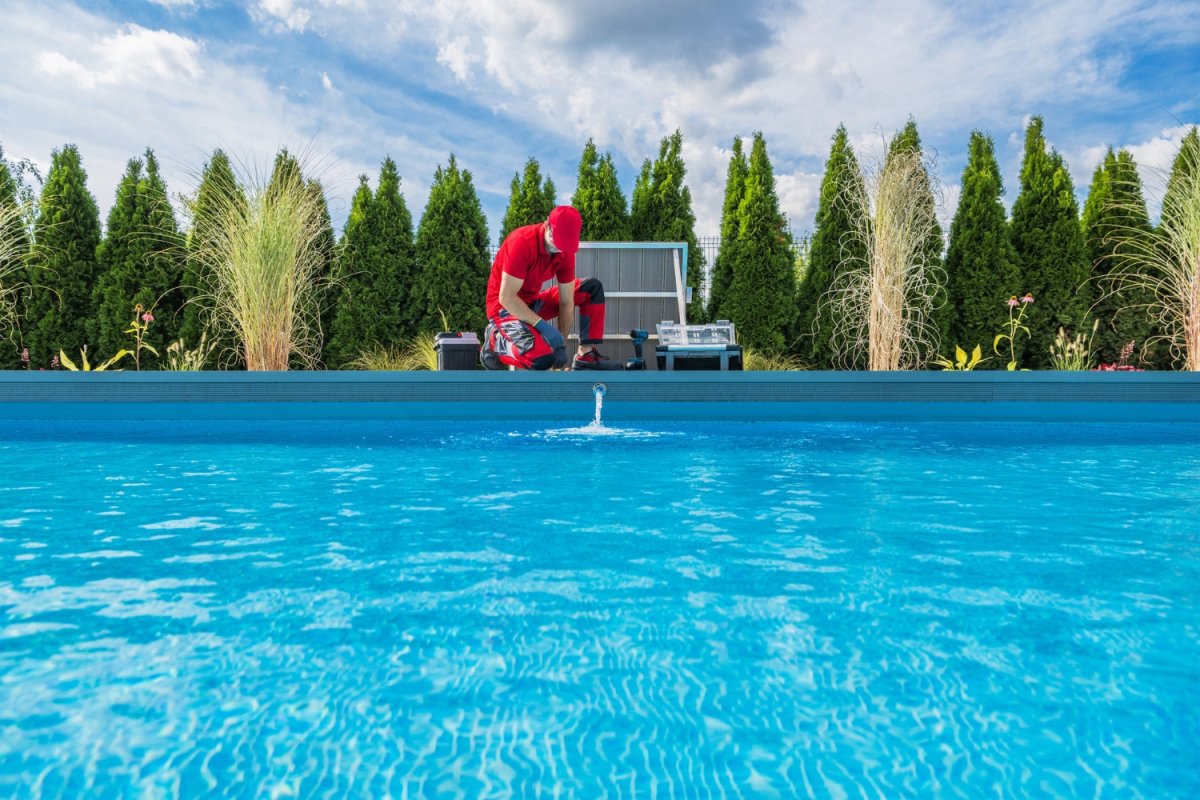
(519, 310)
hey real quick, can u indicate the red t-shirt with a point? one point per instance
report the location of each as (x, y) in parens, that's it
(523, 255)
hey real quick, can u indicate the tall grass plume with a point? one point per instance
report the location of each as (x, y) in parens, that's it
(260, 256)
(882, 304)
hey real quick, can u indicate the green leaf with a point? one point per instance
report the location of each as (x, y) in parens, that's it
(66, 362)
(1012, 366)
(113, 360)
(996, 343)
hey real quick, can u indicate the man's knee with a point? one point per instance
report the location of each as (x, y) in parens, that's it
(593, 288)
(543, 362)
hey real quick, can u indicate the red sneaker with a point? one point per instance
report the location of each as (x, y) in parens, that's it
(592, 359)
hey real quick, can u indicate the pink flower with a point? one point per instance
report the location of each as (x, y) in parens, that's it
(1012, 301)
(25, 355)
(147, 317)
(1028, 298)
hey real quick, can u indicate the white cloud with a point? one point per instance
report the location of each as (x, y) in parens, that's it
(627, 73)
(288, 13)
(113, 90)
(457, 57)
(129, 56)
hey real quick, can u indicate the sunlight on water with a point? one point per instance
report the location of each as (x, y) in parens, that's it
(676, 611)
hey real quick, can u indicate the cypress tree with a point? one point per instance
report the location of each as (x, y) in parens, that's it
(1051, 255)
(662, 212)
(327, 292)
(452, 251)
(1187, 159)
(531, 200)
(981, 264)
(833, 244)
(1116, 210)
(599, 199)
(763, 286)
(62, 266)
(140, 261)
(378, 303)
(346, 339)
(1050, 251)
(217, 184)
(909, 140)
(735, 190)
(641, 219)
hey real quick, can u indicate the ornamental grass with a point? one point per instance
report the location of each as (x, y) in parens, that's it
(260, 256)
(883, 302)
(14, 243)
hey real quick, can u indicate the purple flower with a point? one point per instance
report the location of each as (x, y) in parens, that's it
(1028, 298)
(147, 317)
(1012, 301)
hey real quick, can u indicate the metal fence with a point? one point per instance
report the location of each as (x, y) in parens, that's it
(710, 246)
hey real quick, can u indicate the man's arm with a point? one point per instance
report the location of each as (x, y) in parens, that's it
(566, 310)
(511, 301)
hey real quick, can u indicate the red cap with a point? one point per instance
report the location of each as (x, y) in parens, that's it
(565, 223)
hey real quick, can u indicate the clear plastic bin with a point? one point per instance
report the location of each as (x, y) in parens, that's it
(719, 332)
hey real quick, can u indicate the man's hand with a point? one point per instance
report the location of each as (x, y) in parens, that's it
(555, 340)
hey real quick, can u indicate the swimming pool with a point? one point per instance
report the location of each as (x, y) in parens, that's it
(667, 609)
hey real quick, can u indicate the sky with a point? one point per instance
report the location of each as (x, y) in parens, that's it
(347, 82)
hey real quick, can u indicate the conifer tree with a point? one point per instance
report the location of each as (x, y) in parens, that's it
(1114, 211)
(599, 199)
(833, 244)
(1051, 256)
(735, 190)
(909, 139)
(452, 251)
(62, 266)
(14, 248)
(327, 292)
(981, 264)
(641, 206)
(662, 212)
(139, 262)
(379, 302)
(762, 287)
(217, 183)
(531, 199)
(1181, 177)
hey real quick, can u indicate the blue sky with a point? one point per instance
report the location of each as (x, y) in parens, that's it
(496, 81)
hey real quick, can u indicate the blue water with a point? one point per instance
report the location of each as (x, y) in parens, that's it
(669, 611)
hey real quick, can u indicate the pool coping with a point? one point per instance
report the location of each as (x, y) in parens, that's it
(1036, 396)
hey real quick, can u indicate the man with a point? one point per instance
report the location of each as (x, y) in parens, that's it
(519, 310)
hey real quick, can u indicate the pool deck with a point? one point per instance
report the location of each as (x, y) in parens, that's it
(747, 396)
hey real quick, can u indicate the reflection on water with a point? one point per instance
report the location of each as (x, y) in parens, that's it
(684, 611)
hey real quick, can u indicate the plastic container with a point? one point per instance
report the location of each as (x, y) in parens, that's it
(719, 332)
(456, 350)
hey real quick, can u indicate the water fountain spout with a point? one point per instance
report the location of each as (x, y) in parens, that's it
(599, 390)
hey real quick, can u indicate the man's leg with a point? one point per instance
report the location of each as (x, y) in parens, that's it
(589, 308)
(519, 345)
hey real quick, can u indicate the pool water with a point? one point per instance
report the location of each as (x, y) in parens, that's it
(663, 610)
